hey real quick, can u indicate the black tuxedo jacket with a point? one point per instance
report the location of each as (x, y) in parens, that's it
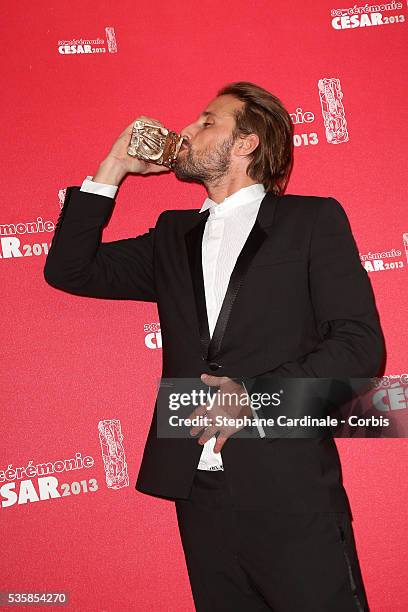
(298, 304)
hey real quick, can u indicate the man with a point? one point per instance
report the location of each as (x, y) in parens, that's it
(260, 284)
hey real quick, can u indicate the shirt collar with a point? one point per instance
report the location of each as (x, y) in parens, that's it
(242, 196)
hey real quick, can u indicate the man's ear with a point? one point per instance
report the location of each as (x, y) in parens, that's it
(246, 144)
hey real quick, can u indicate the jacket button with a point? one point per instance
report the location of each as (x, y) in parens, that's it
(214, 366)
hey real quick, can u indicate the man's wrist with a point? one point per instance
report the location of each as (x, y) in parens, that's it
(110, 172)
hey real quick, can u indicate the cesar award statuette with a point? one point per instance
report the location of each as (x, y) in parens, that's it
(154, 143)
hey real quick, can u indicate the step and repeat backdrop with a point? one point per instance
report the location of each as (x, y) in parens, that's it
(79, 375)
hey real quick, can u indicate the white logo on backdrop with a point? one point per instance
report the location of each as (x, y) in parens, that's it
(405, 241)
(392, 392)
(333, 110)
(153, 338)
(367, 15)
(377, 261)
(33, 483)
(303, 118)
(113, 454)
(61, 196)
(36, 482)
(10, 245)
(81, 46)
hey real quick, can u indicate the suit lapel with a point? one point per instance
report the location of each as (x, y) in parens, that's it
(193, 238)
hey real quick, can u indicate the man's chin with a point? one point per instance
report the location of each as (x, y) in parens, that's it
(184, 175)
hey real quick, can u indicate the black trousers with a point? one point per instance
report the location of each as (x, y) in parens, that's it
(241, 560)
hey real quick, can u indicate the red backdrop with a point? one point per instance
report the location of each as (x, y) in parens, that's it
(70, 362)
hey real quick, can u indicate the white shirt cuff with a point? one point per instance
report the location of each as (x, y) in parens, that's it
(109, 191)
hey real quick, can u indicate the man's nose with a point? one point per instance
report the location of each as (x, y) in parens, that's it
(186, 135)
(188, 132)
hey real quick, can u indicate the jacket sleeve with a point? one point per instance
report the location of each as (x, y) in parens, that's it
(78, 262)
(352, 343)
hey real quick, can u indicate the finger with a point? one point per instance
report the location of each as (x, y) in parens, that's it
(149, 120)
(211, 380)
(129, 129)
(201, 410)
(220, 441)
(208, 433)
(197, 428)
(157, 168)
(205, 422)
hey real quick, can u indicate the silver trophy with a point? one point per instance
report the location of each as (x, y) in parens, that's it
(154, 143)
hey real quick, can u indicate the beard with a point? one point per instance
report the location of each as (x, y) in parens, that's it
(208, 166)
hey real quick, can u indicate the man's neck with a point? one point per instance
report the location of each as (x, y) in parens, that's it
(227, 187)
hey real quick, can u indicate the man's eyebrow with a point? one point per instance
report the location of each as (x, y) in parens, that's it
(207, 113)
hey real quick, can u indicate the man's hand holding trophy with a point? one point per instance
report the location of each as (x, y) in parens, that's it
(144, 147)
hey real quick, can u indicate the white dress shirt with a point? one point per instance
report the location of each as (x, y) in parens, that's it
(227, 228)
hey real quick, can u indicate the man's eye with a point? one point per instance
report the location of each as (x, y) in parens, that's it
(206, 124)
